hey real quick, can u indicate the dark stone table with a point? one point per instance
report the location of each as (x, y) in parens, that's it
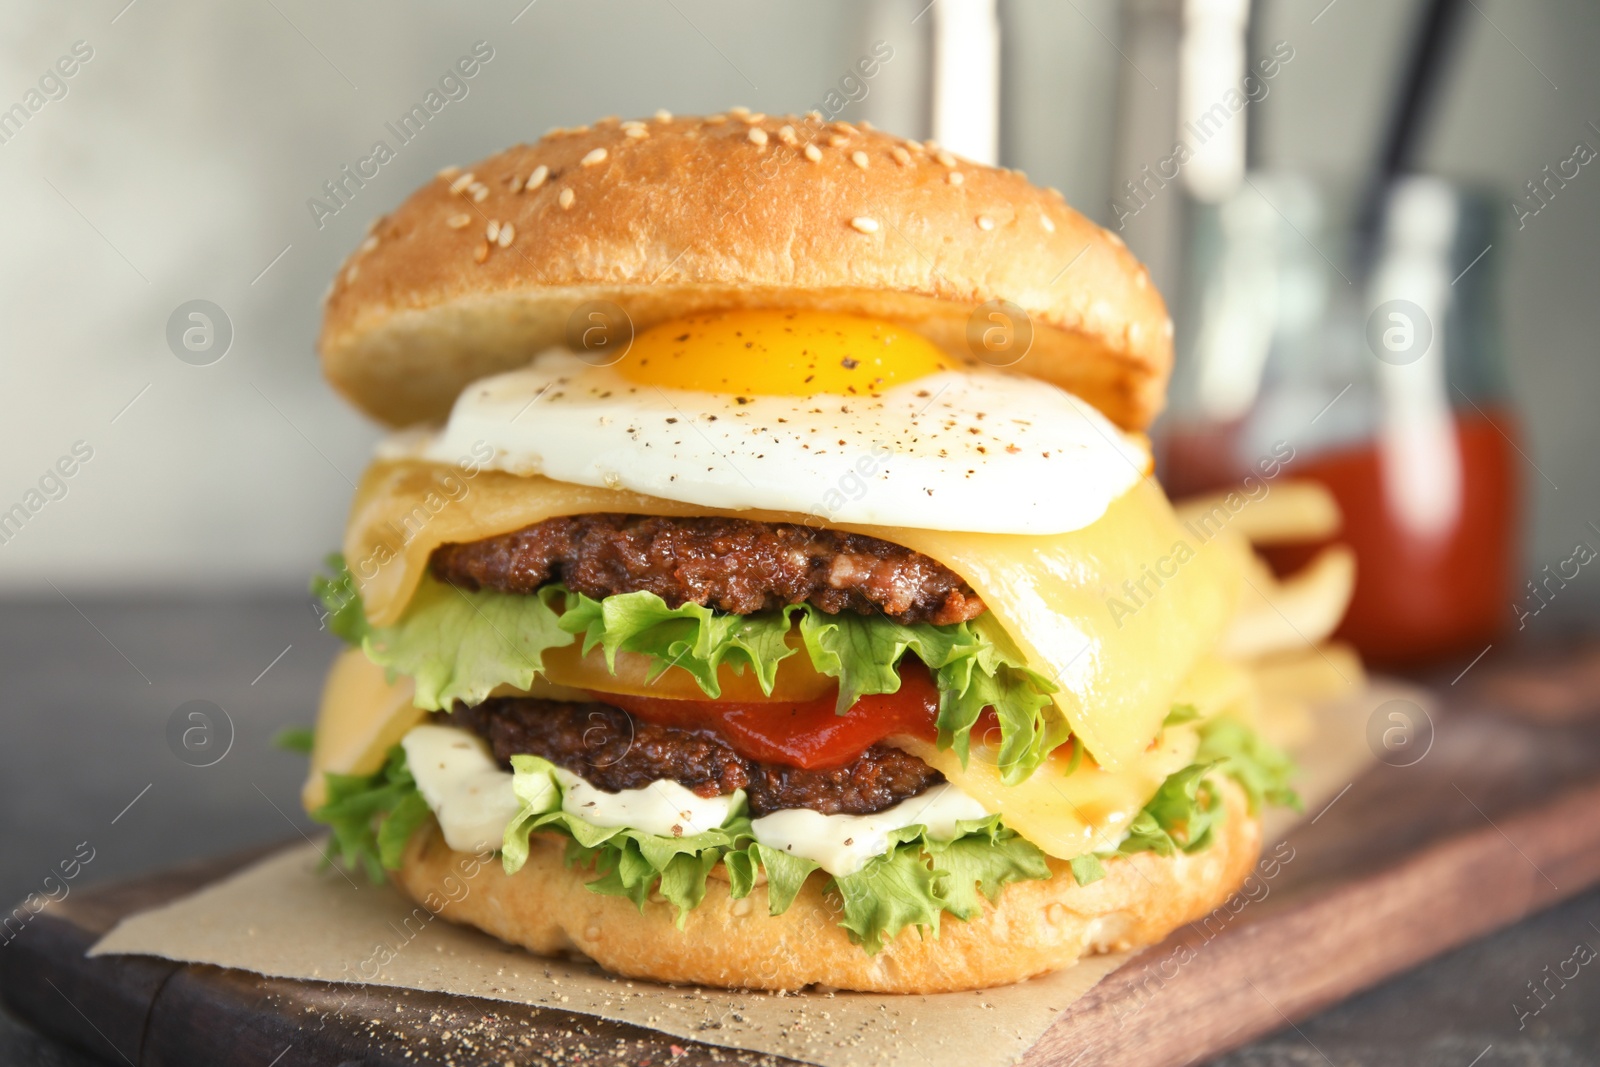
(90, 688)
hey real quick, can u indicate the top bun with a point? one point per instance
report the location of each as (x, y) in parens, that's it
(484, 267)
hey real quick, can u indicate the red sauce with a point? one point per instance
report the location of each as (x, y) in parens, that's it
(1417, 598)
(810, 735)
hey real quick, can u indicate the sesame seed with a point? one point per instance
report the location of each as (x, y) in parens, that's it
(493, 232)
(480, 193)
(813, 153)
(596, 155)
(863, 224)
(1053, 191)
(635, 132)
(1048, 223)
(461, 183)
(715, 120)
(663, 115)
(956, 177)
(838, 140)
(757, 136)
(448, 172)
(901, 156)
(945, 158)
(844, 127)
(985, 222)
(458, 222)
(756, 116)
(480, 253)
(740, 111)
(566, 198)
(516, 184)
(508, 233)
(555, 131)
(786, 134)
(369, 244)
(536, 179)
(814, 115)
(859, 158)
(350, 275)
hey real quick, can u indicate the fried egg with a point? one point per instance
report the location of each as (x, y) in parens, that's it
(842, 419)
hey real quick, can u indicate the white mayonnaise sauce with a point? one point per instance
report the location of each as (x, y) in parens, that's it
(468, 792)
(473, 800)
(842, 844)
(663, 808)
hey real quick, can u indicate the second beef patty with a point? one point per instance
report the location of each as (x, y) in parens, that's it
(612, 750)
(735, 565)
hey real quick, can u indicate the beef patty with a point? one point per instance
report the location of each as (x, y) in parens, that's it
(733, 565)
(612, 750)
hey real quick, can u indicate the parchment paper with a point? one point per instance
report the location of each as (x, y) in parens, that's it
(286, 918)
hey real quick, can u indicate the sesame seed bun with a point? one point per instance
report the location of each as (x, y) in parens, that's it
(1034, 927)
(483, 267)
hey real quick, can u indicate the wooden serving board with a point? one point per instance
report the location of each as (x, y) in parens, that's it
(1501, 818)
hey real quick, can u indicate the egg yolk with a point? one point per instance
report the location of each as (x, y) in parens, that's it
(780, 353)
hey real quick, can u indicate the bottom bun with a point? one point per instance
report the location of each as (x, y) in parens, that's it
(1034, 927)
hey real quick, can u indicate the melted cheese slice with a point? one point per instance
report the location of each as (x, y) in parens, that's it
(1089, 809)
(362, 716)
(1065, 814)
(1117, 614)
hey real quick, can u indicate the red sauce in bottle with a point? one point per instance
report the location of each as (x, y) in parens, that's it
(1417, 598)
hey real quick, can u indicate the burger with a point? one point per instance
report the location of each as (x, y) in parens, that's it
(765, 584)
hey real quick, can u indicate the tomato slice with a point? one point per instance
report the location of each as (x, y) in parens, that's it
(806, 734)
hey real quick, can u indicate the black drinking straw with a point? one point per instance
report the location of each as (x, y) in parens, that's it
(1419, 85)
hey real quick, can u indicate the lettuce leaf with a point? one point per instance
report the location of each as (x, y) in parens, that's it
(911, 885)
(1086, 869)
(691, 636)
(973, 666)
(786, 874)
(1187, 808)
(343, 613)
(1261, 769)
(630, 863)
(373, 815)
(864, 651)
(295, 739)
(460, 645)
(1179, 817)
(983, 858)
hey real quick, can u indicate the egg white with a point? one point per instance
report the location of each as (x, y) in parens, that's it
(957, 450)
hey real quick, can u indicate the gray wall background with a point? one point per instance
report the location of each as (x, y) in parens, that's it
(178, 164)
